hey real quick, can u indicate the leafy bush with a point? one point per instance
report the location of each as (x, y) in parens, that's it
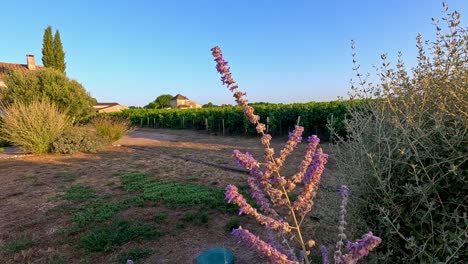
(110, 128)
(77, 139)
(68, 95)
(406, 153)
(34, 126)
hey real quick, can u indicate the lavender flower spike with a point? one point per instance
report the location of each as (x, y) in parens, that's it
(324, 251)
(360, 248)
(262, 247)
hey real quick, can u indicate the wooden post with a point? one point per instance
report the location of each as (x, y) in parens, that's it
(267, 124)
(298, 120)
(183, 122)
(141, 122)
(154, 122)
(148, 121)
(193, 123)
(223, 126)
(206, 124)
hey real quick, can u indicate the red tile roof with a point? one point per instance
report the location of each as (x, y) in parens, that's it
(179, 97)
(6, 68)
(106, 104)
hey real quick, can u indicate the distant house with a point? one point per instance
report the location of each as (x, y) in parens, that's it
(6, 68)
(109, 107)
(182, 102)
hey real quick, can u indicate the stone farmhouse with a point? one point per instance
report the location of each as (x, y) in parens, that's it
(182, 102)
(6, 68)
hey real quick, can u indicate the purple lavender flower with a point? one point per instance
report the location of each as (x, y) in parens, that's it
(324, 251)
(261, 246)
(129, 261)
(360, 248)
(344, 190)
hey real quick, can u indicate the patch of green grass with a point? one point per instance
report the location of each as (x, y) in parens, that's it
(134, 201)
(180, 226)
(135, 254)
(199, 218)
(17, 245)
(160, 218)
(57, 260)
(2, 149)
(96, 212)
(233, 223)
(105, 238)
(79, 193)
(133, 181)
(174, 194)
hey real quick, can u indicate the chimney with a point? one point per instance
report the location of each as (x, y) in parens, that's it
(30, 62)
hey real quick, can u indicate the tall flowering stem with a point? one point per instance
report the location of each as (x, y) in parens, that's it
(271, 190)
(360, 248)
(344, 191)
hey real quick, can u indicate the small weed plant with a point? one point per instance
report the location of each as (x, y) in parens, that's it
(271, 191)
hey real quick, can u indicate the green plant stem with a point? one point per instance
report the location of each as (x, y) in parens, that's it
(298, 230)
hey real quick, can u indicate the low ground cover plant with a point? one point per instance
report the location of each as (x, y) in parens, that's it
(406, 153)
(271, 190)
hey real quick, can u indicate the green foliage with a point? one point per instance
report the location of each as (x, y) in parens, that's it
(109, 128)
(79, 193)
(174, 194)
(17, 245)
(77, 139)
(282, 117)
(59, 54)
(105, 238)
(4, 143)
(406, 153)
(160, 218)
(208, 105)
(34, 126)
(96, 212)
(199, 218)
(135, 254)
(234, 222)
(69, 95)
(48, 58)
(57, 260)
(162, 101)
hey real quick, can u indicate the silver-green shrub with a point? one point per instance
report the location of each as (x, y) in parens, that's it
(77, 139)
(33, 126)
(406, 151)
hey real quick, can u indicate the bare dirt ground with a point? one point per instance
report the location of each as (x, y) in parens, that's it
(31, 186)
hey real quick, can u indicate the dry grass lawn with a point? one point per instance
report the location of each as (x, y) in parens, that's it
(37, 224)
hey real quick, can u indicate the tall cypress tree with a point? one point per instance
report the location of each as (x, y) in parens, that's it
(59, 54)
(48, 58)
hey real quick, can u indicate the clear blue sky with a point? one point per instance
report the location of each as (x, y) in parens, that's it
(279, 51)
